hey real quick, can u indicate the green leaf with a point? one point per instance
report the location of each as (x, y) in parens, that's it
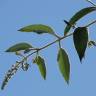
(64, 64)
(19, 47)
(41, 65)
(37, 28)
(80, 38)
(78, 16)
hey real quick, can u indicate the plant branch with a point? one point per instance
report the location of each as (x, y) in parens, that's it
(59, 39)
(91, 23)
(91, 2)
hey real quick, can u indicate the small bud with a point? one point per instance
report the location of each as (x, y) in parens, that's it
(25, 66)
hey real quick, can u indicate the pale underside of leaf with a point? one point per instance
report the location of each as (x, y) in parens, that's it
(64, 64)
(19, 47)
(37, 28)
(41, 65)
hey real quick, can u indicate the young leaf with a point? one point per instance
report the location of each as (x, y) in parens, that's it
(64, 64)
(80, 38)
(19, 47)
(37, 28)
(91, 43)
(41, 65)
(78, 16)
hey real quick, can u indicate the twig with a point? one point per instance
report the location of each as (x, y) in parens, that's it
(91, 23)
(58, 40)
(49, 44)
(91, 2)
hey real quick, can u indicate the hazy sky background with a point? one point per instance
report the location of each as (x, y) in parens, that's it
(15, 14)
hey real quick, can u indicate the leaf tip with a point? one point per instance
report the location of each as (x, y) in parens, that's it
(44, 77)
(19, 30)
(67, 82)
(7, 50)
(2, 88)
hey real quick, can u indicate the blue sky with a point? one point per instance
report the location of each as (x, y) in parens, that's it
(15, 14)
